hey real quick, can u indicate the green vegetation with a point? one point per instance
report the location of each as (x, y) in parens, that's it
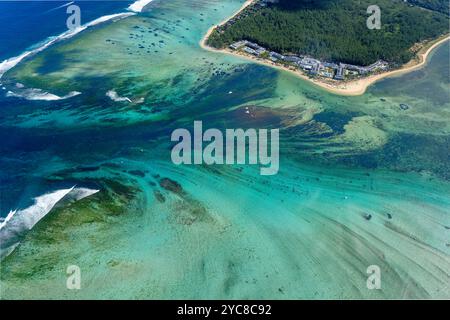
(335, 30)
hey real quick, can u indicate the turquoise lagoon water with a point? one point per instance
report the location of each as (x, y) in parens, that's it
(156, 230)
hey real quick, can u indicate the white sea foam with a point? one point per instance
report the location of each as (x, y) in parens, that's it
(139, 5)
(8, 217)
(12, 62)
(14, 227)
(38, 94)
(62, 6)
(115, 97)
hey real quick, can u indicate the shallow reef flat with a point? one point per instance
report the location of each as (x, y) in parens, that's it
(306, 234)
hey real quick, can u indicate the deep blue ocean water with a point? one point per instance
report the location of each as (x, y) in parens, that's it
(24, 24)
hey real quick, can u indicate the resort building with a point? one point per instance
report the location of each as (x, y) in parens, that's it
(238, 45)
(293, 59)
(311, 65)
(340, 73)
(274, 56)
(249, 51)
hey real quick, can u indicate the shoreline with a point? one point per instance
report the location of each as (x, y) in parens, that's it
(211, 29)
(355, 87)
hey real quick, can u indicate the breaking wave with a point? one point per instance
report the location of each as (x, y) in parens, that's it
(18, 222)
(12, 62)
(139, 5)
(115, 97)
(38, 94)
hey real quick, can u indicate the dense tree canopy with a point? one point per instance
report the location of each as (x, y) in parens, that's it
(336, 30)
